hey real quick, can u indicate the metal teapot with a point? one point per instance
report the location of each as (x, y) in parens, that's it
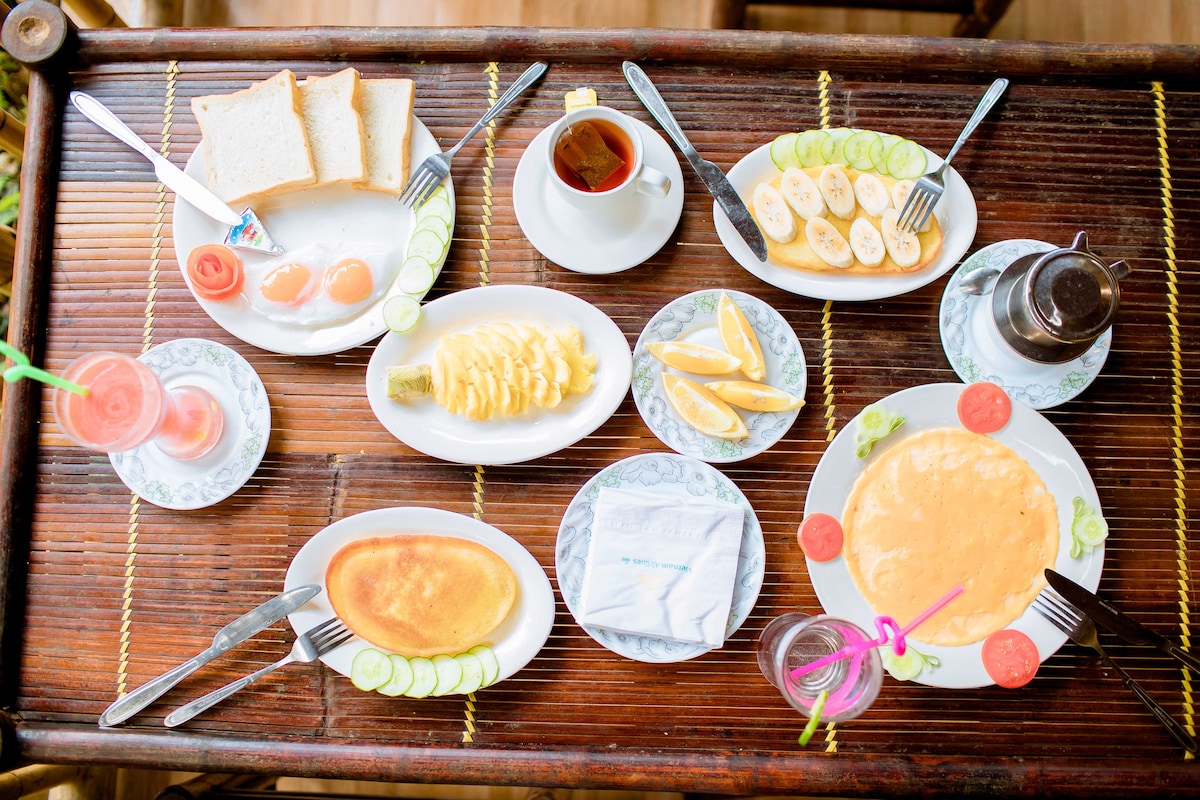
(1051, 307)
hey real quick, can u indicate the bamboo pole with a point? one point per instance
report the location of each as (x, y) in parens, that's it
(12, 134)
(94, 14)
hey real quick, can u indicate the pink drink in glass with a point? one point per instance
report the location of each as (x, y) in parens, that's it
(792, 640)
(127, 405)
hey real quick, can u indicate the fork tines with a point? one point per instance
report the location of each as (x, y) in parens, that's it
(917, 208)
(1057, 612)
(329, 634)
(421, 185)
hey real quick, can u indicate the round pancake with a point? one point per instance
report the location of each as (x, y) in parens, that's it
(944, 507)
(420, 595)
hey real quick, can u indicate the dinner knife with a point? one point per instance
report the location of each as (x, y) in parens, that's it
(712, 176)
(232, 634)
(178, 181)
(1115, 620)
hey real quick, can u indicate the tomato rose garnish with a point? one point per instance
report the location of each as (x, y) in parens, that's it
(215, 272)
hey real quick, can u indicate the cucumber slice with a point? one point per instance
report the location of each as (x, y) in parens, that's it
(437, 225)
(906, 160)
(401, 313)
(426, 244)
(402, 677)
(880, 150)
(783, 151)
(424, 677)
(416, 276)
(437, 207)
(370, 669)
(441, 193)
(472, 673)
(449, 672)
(491, 666)
(857, 149)
(809, 146)
(831, 149)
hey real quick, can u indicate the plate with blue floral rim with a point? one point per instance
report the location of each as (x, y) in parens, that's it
(201, 482)
(693, 318)
(977, 352)
(666, 474)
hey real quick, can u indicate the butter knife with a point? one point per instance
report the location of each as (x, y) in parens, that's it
(712, 176)
(1113, 619)
(232, 634)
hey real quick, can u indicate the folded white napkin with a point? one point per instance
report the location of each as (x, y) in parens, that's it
(662, 566)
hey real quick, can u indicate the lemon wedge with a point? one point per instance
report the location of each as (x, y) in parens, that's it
(739, 339)
(702, 409)
(697, 359)
(754, 396)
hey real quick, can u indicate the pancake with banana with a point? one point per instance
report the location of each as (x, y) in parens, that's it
(420, 595)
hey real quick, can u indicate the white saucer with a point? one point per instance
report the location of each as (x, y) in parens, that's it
(187, 485)
(977, 352)
(583, 242)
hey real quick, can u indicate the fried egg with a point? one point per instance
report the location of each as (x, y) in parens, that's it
(322, 283)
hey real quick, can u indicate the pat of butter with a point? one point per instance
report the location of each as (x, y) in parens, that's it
(583, 97)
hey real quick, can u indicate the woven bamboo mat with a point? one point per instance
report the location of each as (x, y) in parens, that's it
(120, 590)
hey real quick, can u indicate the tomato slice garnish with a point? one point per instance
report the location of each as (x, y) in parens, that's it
(984, 408)
(820, 537)
(215, 272)
(1010, 658)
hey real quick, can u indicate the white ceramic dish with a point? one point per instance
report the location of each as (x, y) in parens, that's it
(672, 475)
(295, 220)
(693, 318)
(423, 425)
(1033, 438)
(515, 642)
(955, 212)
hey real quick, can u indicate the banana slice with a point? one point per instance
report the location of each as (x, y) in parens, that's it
(837, 191)
(801, 193)
(900, 192)
(902, 246)
(872, 195)
(828, 243)
(773, 214)
(867, 243)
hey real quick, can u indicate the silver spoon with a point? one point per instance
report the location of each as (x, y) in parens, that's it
(980, 281)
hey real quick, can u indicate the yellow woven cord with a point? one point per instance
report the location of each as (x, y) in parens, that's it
(823, 81)
(1168, 211)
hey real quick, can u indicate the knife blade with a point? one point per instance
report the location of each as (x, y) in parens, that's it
(232, 634)
(714, 179)
(1113, 619)
(178, 181)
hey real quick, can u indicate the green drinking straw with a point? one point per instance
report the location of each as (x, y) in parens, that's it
(22, 369)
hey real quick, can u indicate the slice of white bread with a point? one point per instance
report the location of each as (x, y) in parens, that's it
(387, 119)
(332, 117)
(254, 140)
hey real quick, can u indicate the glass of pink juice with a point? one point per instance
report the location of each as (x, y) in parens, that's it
(792, 640)
(126, 406)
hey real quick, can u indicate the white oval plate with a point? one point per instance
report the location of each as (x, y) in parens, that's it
(518, 639)
(677, 476)
(424, 425)
(693, 318)
(1033, 438)
(295, 220)
(955, 212)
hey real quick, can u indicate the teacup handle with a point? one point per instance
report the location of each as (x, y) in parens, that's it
(652, 183)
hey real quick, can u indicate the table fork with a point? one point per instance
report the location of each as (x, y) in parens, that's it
(1081, 630)
(929, 189)
(309, 646)
(434, 169)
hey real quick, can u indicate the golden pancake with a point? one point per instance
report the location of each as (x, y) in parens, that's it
(420, 595)
(944, 507)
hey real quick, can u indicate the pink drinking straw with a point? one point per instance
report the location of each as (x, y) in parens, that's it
(22, 369)
(884, 625)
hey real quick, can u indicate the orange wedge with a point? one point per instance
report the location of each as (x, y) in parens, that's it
(697, 359)
(702, 409)
(754, 396)
(739, 339)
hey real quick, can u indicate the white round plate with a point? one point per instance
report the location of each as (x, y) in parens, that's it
(597, 245)
(955, 212)
(201, 482)
(1033, 438)
(424, 425)
(978, 353)
(693, 318)
(295, 220)
(675, 476)
(517, 640)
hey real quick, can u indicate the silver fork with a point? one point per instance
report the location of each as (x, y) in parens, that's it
(931, 186)
(434, 169)
(1081, 630)
(309, 646)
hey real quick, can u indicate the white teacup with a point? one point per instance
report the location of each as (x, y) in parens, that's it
(625, 140)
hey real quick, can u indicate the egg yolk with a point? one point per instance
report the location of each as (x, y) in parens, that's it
(348, 281)
(287, 284)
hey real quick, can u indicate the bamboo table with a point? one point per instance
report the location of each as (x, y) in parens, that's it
(103, 591)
